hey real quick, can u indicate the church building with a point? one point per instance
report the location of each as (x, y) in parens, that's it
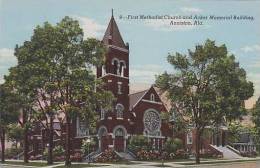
(133, 114)
(138, 113)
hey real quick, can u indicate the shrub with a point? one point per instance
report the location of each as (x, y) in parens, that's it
(209, 154)
(58, 151)
(248, 154)
(172, 145)
(181, 154)
(77, 157)
(138, 143)
(108, 156)
(88, 146)
(11, 153)
(148, 155)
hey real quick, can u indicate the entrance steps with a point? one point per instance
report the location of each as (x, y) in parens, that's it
(125, 155)
(92, 156)
(228, 152)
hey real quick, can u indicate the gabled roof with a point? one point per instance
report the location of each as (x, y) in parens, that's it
(135, 98)
(112, 35)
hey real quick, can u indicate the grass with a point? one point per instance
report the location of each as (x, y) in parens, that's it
(160, 165)
(165, 161)
(125, 162)
(79, 166)
(37, 164)
(215, 162)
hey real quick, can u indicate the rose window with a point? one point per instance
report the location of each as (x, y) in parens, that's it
(152, 121)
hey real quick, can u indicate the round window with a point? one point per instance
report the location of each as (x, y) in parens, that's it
(152, 120)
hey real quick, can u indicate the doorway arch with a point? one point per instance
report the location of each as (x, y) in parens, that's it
(102, 138)
(119, 138)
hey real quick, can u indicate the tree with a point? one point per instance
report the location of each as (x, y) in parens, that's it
(256, 120)
(56, 64)
(15, 133)
(208, 85)
(8, 113)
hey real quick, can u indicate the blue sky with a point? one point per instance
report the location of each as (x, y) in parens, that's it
(150, 41)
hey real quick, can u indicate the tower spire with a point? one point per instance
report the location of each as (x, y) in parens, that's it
(112, 35)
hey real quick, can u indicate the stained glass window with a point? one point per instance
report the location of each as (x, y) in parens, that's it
(152, 121)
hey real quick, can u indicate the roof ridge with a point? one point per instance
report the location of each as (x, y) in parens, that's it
(138, 92)
(112, 35)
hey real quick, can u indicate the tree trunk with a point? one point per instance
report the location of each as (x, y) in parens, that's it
(3, 145)
(197, 149)
(67, 162)
(26, 146)
(16, 144)
(50, 148)
(25, 138)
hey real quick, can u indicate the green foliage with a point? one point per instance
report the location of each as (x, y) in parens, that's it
(9, 106)
(88, 147)
(208, 85)
(12, 152)
(56, 67)
(235, 129)
(58, 151)
(15, 132)
(172, 145)
(54, 73)
(256, 119)
(138, 142)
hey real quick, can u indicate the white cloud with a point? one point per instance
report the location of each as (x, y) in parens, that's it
(252, 48)
(255, 64)
(90, 27)
(145, 73)
(7, 56)
(191, 10)
(7, 59)
(136, 87)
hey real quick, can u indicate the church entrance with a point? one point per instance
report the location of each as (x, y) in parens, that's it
(103, 138)
(104, 143)
(119, 141)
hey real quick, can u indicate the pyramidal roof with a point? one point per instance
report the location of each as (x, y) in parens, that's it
(112, 35)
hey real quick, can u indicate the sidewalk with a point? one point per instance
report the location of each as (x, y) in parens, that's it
(149, 164)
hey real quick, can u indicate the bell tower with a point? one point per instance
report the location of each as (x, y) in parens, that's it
(115, 75)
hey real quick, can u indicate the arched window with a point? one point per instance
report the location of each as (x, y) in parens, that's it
(189, 137)
(102, 114)
(119, 132)
(104, 70)
(119, 111)
(122, 68)
(102, 131)
(119, 88)
(152, 97)
(115, 67)
(82, 129)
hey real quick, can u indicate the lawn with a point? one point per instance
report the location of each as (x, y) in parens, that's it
(160, 165)
(79, 166)
(37, 164)
(214, 162)
(125, 162)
